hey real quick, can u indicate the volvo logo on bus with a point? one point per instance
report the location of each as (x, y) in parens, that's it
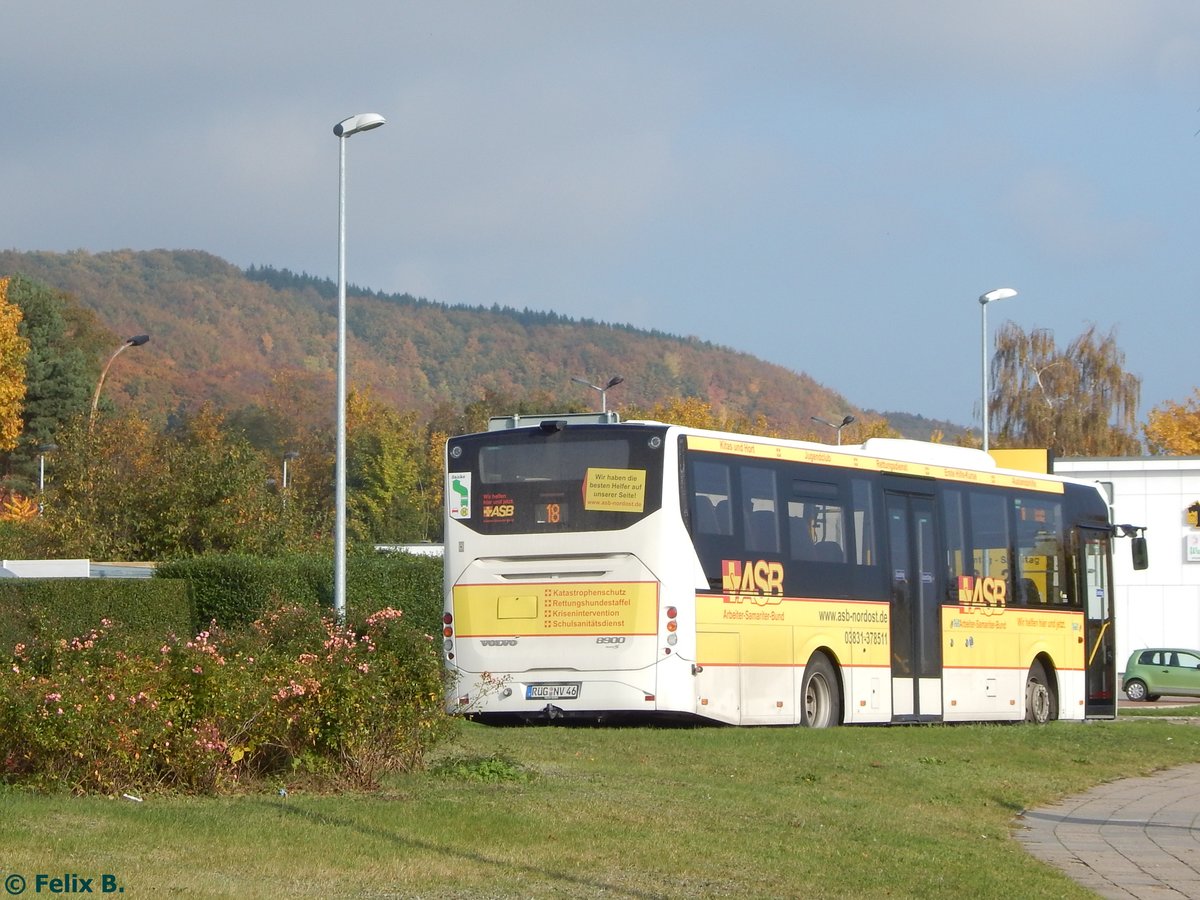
(507, 642)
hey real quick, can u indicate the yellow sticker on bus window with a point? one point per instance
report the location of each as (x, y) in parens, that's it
(615, 490)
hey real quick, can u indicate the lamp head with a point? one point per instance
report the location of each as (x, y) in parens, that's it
(137, 340)
(613, 382)
(849, 420)
(355, 124)
(998, 294)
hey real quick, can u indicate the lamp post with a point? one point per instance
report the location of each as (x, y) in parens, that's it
(612, 382)
(984, 300)
(43, 449)
(288, 457)
(136, 341)
(343, 130)
(849, 420)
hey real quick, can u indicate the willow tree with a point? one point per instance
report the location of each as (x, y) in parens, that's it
(1076, 402)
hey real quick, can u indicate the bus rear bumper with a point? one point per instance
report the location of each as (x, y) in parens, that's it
(554, 695)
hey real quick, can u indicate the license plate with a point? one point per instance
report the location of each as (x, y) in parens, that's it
(565, 690)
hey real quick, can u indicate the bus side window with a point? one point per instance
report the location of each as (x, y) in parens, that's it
(800, 531)
(706, 516)
(829, 551)
(759, 504)
(710, 498)
(762, 531)
(724, 523)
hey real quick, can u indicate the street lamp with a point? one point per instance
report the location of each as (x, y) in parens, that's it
(343, 129)
(612, 382)
(136, 341)
(989, 297)
(849, 420)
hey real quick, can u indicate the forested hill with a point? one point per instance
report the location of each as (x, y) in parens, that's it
(221, 333)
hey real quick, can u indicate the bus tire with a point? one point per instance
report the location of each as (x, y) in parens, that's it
(820, 694)
(1039, 698)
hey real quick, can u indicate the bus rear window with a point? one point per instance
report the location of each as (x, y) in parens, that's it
(581, 478)
(557, 461)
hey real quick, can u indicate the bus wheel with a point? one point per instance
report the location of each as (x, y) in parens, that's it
(822, 697)
(1038, 699)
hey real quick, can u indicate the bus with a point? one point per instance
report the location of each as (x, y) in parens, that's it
(600, 569)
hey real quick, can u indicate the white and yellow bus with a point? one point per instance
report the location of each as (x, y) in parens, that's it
(600, 569)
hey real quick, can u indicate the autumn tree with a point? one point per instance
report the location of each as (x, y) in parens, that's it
(1076, 402)
(1173, 429)
(13, 350)
(126, 491)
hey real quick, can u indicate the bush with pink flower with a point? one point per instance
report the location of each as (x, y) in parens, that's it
(293, 696)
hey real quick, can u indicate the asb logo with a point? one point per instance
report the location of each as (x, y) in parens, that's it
(986, 592)
(760, 578)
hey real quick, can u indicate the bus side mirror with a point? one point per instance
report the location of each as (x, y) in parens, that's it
(1141, 557)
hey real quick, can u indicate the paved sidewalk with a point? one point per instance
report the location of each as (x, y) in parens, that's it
(1138, 837)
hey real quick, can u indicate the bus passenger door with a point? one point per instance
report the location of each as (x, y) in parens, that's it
(1099, 641)
(917, 590)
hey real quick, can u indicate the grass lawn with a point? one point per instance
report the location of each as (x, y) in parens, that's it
(619, 812)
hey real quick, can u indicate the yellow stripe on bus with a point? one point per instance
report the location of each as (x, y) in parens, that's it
(870, 463)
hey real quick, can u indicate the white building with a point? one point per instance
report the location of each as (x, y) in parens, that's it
(1158, 606)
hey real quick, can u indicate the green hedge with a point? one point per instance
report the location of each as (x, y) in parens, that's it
(236, 590)
(54, 608)
(186, 595)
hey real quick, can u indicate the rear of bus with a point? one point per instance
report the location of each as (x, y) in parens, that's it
(555, 605)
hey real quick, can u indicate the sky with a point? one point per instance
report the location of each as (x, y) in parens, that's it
(829, 186)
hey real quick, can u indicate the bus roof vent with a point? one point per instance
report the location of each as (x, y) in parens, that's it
(503, 423)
